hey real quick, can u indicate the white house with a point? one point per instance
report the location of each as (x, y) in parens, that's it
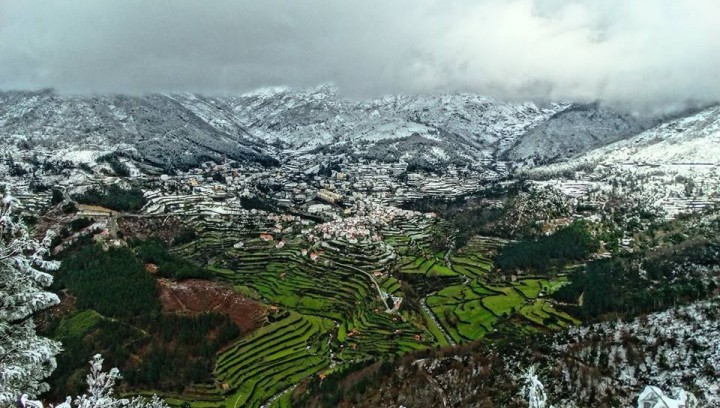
(653, 397)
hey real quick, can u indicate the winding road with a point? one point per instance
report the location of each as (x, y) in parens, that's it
(383, 295)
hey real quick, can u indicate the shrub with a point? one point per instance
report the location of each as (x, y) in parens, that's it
(57, 197)
(80, 223)
(185, 236)
(120, 169)
(69, 208)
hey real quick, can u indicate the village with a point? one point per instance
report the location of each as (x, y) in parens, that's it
(334, 239)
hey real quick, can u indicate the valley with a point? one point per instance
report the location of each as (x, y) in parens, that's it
(336, 239)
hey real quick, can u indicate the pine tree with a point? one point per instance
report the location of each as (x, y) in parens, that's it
(533, 390)
(26, 359)
(101, 388)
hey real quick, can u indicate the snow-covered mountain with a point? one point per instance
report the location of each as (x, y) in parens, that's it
(674, 165)
(693, 139)
(438, 128)
(181, 130)
(575, 130)
(429, 130)
(153, 129)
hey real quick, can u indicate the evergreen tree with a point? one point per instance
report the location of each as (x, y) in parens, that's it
(533, 390)
(26, 359)
(101, 387)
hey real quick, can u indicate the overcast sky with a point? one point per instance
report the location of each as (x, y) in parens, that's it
(622, 50)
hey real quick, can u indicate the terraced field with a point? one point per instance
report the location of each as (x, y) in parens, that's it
(277, 356)
(469, 312)
(331, 286)
(272, 359)
(392, 286)
(342, 302)
(473, 265)
(429, 265)
(470, 309)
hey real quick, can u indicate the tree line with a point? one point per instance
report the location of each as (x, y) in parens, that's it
(571, 243)
(153, 349)
(113, 197)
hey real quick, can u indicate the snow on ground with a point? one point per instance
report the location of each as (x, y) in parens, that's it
(439, 153)
(79, 156)
(690, 140)
(675, 165)
(675, 348)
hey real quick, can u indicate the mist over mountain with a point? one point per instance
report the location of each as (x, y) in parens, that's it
(650, 54)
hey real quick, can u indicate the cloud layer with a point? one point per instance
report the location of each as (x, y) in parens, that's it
(640, 51)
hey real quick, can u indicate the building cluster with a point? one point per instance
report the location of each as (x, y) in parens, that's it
(365, 225)
(301, 185)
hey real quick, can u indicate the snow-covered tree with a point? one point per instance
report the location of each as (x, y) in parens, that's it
(533, 390)
(101, 387)
(26, 359)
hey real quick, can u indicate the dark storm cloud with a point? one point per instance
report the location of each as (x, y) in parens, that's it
(631, 51)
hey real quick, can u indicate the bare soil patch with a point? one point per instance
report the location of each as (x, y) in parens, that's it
(164, 228)
(195, 296)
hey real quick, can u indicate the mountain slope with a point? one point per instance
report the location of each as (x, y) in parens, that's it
(673, 166)
(179, 131)
(458, 128)
(574, 131)
(182, 130)
(153, 129)
(691, 139)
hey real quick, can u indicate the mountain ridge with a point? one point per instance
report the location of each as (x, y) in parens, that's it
(180, 131)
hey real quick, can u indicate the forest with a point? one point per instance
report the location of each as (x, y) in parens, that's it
(113, 197)
(636, 284)
(114, 309)
(571, 243)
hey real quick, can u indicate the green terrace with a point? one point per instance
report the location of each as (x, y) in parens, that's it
(273, 358)
(469, 312)
(335, 306)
